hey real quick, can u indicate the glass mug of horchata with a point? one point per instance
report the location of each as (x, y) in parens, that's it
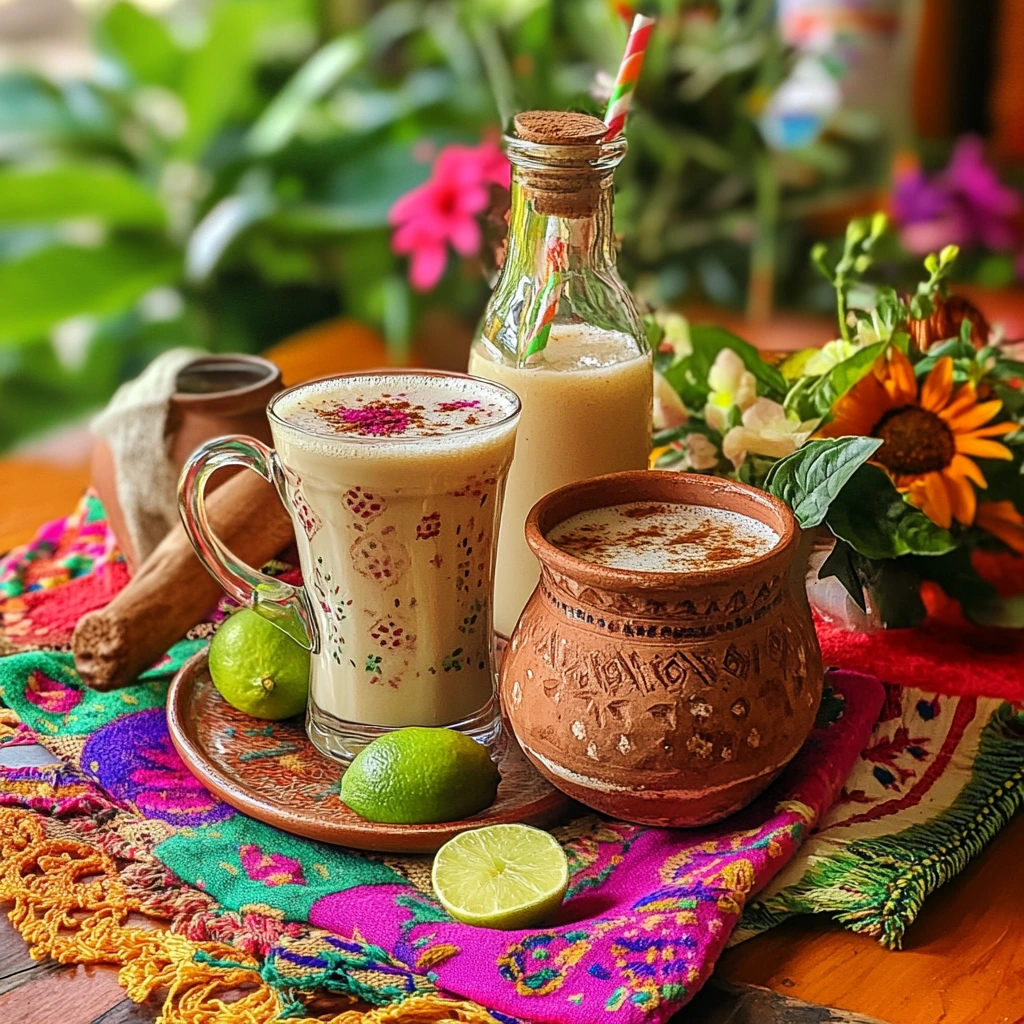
(394, 483)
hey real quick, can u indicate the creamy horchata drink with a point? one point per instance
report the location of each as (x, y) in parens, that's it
(647, 536)
(395, 482)
(586, 411)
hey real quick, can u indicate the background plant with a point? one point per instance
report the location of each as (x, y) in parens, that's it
(223, 180)
(901, 508)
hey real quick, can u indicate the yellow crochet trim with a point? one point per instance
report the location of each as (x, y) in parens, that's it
(70, 904)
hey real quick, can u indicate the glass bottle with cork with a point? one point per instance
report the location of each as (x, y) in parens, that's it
(562, 331)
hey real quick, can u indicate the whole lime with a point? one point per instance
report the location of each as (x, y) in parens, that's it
(259, 669)
(414, 776)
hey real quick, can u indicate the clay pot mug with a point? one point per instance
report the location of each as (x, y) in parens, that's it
(663, 698)
(215, 395)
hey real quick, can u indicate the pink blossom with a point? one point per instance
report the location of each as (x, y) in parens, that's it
(446, 209)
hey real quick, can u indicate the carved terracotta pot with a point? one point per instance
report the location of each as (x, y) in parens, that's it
(663, 698)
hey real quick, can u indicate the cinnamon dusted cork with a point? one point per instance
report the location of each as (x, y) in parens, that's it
(559, 128)
(567, 184)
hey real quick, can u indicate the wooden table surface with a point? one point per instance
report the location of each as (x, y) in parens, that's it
(962, 963)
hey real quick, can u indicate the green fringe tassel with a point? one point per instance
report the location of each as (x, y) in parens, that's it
(878, 886)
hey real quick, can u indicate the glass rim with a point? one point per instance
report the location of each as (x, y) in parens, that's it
(275, 417)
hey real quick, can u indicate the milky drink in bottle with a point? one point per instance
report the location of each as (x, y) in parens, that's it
(562, 331)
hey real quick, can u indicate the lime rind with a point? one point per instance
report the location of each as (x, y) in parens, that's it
(258, 669)
(420, 775)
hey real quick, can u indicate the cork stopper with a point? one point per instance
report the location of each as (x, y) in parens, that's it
(564, 181)
(559, 128)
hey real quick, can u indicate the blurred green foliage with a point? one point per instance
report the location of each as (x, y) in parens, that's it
(223, 181)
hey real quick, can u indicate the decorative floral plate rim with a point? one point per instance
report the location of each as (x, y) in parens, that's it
(271, 771)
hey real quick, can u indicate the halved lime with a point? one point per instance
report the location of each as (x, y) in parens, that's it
(501, 876)
(418, 775)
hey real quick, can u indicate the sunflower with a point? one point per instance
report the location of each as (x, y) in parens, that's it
(930, 435)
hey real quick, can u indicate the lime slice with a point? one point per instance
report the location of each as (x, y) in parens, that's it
(501, 876)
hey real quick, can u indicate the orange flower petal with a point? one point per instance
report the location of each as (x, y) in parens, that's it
(992, 430)
(902, 382)
(962, 500)
(936, 504)
(938, 386)
(857, 412)
(965, 398)
(968, 469)
(968, 445)
(1002, 520)
(973, 417)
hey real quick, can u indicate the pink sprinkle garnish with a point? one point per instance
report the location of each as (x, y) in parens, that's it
(456, 405)
(377, 419)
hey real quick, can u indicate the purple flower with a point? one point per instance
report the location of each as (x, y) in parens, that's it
(966, 204)
(989, 205)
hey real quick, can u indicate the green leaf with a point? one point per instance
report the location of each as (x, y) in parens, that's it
(217, 75)
(310, 83)
(32, 108)
(142, 43)
(52, 285)
(953, 347)
(228, 219)
(833, 385)
(689, 374)
(893, 589)
(811, 478)
(1006, 613)
(872, 517)
(799, 401)
(363, 187)
(103, 191)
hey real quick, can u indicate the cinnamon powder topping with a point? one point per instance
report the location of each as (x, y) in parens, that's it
(663, 537)
(559, 127)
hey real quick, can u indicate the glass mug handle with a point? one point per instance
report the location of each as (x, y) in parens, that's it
(287, 607)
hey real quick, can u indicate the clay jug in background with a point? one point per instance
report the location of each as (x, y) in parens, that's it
(214, 395)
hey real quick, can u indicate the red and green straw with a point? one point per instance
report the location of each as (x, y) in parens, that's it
(626, 79)
(545, 308)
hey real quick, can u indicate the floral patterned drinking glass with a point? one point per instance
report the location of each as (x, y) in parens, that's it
(394, 482)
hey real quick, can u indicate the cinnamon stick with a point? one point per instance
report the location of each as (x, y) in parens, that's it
(171, 592)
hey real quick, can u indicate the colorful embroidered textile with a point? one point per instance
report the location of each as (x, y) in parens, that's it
(648, 911)
(962, 659)
(938, 779)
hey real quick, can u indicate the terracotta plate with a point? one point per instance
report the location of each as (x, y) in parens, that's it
(272, 772)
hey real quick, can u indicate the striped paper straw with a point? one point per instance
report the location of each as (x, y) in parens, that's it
(629, 72)
(546, 307)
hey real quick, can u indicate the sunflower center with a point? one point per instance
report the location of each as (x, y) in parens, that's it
(915, 441)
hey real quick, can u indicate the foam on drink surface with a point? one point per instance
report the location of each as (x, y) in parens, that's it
(393, 407)
(650, 536)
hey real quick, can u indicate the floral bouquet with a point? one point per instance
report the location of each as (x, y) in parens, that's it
(899, 443)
